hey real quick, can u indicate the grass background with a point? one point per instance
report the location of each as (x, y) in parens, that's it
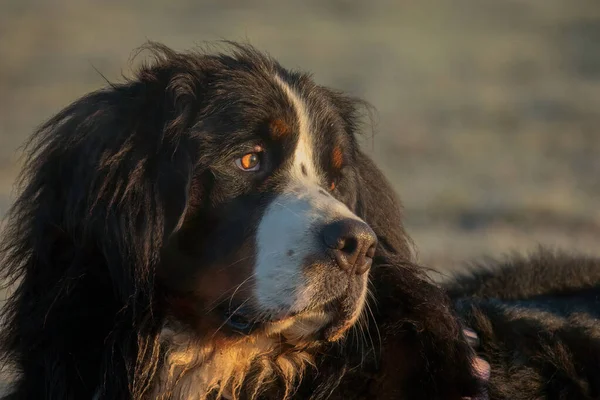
(489, 111)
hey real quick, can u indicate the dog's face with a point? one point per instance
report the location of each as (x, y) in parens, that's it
(270, 241)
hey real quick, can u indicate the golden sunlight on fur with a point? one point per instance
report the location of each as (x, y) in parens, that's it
(193, 371)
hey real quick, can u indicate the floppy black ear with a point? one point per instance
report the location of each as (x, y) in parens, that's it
(379, 206)
(105, 182)
(118, 163)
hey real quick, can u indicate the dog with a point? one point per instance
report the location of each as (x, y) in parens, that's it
(211, 229)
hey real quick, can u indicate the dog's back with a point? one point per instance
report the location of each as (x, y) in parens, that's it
(538, 320)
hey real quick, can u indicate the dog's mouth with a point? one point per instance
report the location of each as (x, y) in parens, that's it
(240, 320)
(243, 319)
(327, 321)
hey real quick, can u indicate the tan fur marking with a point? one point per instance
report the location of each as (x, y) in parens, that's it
(278, 129)
(337, 158)
(196, 371)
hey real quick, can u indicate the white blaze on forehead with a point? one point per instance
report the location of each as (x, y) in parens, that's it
(303, 154)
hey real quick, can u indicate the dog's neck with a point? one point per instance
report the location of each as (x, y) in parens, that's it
(193, 369)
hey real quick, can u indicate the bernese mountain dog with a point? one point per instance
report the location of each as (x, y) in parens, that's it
(211, 229)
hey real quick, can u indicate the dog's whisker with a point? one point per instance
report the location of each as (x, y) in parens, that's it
(214, 304)
(235, 262)
(231, 314)
(238, 288)
(364, 335)
(287, 208)
(379, 340)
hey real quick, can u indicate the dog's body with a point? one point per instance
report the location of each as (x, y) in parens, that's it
(211, 229)
(538, 319)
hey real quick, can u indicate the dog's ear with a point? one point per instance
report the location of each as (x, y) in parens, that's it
(109, 175)
(105, 182)
(378, 205)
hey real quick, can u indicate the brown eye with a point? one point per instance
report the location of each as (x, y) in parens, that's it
(249, 162)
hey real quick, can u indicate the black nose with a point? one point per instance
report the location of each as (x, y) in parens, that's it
(353, 243)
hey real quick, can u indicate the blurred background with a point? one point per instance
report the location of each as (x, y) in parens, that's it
(488, 118)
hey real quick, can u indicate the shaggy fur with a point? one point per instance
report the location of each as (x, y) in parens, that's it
(125, 186)
(538, 323)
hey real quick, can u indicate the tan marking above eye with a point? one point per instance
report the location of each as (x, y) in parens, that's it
(332, 186)
(337, 158)
(248, 162)
(278, 128)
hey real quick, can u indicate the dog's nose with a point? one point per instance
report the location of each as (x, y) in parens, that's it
(353, 243)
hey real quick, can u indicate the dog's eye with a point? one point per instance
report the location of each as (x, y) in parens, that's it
(249, 162)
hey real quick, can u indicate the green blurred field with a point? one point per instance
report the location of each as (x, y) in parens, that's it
(489, 111)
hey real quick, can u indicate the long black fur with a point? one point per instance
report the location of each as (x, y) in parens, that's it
(109, 179)
(538, 318)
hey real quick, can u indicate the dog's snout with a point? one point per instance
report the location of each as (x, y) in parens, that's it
(353, 243)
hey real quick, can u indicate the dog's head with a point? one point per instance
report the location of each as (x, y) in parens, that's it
(270, 239)
(223, 193)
